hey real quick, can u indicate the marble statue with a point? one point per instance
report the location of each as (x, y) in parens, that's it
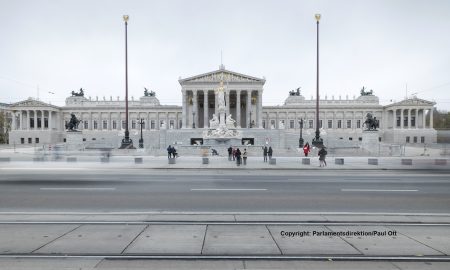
(230, 122)
(214, 122)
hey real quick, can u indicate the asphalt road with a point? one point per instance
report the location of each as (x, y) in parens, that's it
(225, 191)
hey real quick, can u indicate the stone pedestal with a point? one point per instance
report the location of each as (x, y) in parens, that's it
(74, 141)
(370, 141)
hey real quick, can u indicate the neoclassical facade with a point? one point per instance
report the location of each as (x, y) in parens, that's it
(103, 120)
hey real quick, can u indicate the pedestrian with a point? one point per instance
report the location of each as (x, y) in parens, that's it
(230, 152)
(322, 155)
(174, 152)
(265, 153)
(234, 154)
(244, 156)
(169, 151)
(306, 149)
(238, 157)
(270, 152)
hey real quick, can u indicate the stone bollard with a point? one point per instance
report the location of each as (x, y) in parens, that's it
(373, 161)
(71, 159)
(5, 159)
(273, 161)
(339, 161)
(138, 160)
(205, 160)
(172, 161)
(104, 159)
(406, 161)
(440, 161)
(306, 161)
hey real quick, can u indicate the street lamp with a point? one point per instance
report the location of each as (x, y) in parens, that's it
(300, 140)
(317, 141)
(250, 122)
(127, 143)
(141, 140)
(193, 119)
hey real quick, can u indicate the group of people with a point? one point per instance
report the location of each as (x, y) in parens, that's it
(236, 155)
(267, 152)
(172, 152)
(322, 154)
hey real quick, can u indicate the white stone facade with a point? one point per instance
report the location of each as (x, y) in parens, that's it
(341, 120)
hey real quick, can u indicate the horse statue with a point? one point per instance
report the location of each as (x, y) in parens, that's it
(366, 93)
(148, 94)
(295, 92)
(80, 94)
(72, 125)
(371, 122)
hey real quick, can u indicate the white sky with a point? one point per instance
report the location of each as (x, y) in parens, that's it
(63, 45)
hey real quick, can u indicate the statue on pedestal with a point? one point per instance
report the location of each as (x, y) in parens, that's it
(214, 122)
(371, 122)
(230, 122)
(72, 125)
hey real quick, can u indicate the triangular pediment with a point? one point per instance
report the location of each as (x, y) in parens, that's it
(222, 74)
(413, 101)
(32, 103)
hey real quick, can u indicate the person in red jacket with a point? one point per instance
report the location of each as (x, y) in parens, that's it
(306, 149)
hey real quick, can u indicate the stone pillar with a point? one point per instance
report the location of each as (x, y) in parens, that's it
(248, 108)
(42, 119)
(28, 120)
(50, 120)
(206, 109)
(277, 122)
(91, 123)
(238, 108)
(158, 124)
(35, 120)
(259, 109)
(227, 101)
(21, 120)
(13, 126)
(184, 111)
(424, 114)
(147, 124)
(431, 117)
(109, 121)
(416, 120)
(401, 118)
(409, 118)
(195, 109)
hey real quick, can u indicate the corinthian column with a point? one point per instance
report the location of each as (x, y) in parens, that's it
(238, 108)
(205, 109)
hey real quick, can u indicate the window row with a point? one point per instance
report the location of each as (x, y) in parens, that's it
(310, 124)
(134, 124)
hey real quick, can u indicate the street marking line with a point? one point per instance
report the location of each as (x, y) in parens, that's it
(379, 190)
(79, 189)
(228, 189)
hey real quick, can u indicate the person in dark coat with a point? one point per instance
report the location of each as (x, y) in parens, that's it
(265, 153)
(270, 152)
(230, 152)
(169, 151)
(238, 157)
(322, 155)
(234, 154)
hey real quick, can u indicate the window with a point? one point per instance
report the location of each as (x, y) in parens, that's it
(32, 122)
(407, 139)
(152, 124)
(405, 121)
(422, 139)
(358, 123)
(105, 124)
(22, 140)
(413, 121)
(350, 138)
(415, 139)
(320, 124)
(398, 121)
(123, 124)
(31, 141)
(330, 123)
(339, 124)
(64, 140)
(95, 124)
(114, 124)
(291, 124)
(171, 124)
(133, 124)
(311, 124)
(45, 122)
(84, 139)
(349, 123)
(180, 124)
(86, 124)
(264, 123)
(360, 139)
(39, 122)
(272, 124)
(36, 140)
(143, 124)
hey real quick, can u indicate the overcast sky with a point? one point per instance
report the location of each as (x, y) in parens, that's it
(62, 45)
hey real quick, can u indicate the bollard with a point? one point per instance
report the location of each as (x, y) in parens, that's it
(406, 161)
(339, 161)
(273, 161)
(373, 161)
(138, 160)
(306, 161)
(205, 160)
(440, 161)
(5, 159)
(71, 159)
(104, 159)
(172, 161)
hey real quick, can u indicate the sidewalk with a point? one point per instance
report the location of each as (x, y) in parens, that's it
(283, 163)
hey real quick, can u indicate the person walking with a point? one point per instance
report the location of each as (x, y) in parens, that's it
(169, 151)
(306, 149)
(234, 154)
(270, 152)
(238, 157)
(244, 156)
(265, 153)
(230, 152)
(322, 155)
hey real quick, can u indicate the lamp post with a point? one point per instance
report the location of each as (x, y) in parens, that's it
(300, 140)
(127, 143)
(250, 122)
(141, 140)
(317, 141)
(193, 119)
